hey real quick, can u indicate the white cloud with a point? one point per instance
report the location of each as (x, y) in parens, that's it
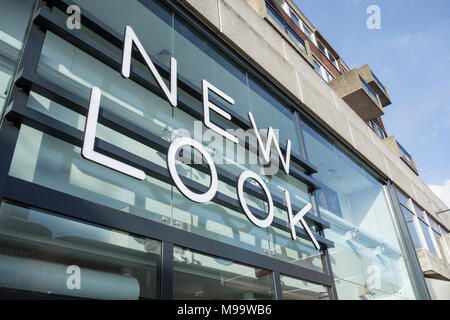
(442, 191)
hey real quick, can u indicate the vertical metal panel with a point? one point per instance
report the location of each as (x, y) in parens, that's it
(166, 277)
(278, 290)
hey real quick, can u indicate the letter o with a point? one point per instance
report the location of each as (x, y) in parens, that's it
(240, 192)
(171, 154)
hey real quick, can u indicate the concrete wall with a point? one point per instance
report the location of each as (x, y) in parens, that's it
(433, 266)
(439, 290)
(239, 25)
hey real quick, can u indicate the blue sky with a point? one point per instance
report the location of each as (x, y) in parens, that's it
(410, 54)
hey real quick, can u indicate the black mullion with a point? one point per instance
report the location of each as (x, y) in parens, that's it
(277, 285)
(166, 284)
(334, 294)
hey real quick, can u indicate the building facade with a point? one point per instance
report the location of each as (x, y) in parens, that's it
(106, 104)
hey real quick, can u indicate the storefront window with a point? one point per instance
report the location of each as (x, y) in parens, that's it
(367, 250)
(202, 277)
(295, 289)
(366, 256)
(46, 254)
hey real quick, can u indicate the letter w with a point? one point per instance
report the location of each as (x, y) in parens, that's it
(271, 138)
(130, 38)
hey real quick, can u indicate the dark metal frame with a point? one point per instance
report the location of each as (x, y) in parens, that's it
(39, 197)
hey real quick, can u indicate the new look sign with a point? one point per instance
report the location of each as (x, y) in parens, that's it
(266, 144)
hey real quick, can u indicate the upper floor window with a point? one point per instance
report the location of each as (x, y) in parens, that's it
(302, 25)
(377, 128)
(322, 71)
(328, 54)
(293, 35)
(343, 69)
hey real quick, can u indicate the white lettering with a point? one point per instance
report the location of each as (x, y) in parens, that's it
(293, 220)
(240, 192)
(90, 130)
(171, 158)
(207, 105)
(130, 38)
(271, 139)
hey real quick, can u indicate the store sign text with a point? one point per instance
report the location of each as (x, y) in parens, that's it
(171, 95)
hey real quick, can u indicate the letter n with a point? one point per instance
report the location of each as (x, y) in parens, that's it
(130, 38)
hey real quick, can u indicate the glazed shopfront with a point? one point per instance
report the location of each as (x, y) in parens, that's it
(97, 202)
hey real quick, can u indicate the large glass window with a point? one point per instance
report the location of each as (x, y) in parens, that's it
(427, 237)
(418, 211)
(199, 277)
(410, 222)
(47, 254)
(295, 289)
(367, 249)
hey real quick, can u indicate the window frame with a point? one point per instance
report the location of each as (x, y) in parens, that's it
(328, 54)
(325, 74)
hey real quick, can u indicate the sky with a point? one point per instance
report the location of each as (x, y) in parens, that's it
(410, 55)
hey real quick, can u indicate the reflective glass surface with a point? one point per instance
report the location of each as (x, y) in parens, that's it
(409, 218)
(367, 249)
(48, 254)
(427, 236)
(202, 277)
(295, 289)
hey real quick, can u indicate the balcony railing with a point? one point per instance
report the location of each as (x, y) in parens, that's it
(377, 129)
(405, 153)
(378, 81)
(273, 12)
(368, 88)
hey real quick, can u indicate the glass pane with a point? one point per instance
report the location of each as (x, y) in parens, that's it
(300, 252)
(193, 50)
(409, 217)
(14, 19)
(269, 111)
(202, 277)
(418, 211)
(361, 223)
(55, 164)
(157, 39)
(295, 289)
(52, 255)
(427, 236)
(402, 198)
(433, 224)
(436, 235)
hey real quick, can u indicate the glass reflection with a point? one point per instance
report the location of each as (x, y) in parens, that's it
(367, 250)
(45, 254)
(202, 277)
(295, 289)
